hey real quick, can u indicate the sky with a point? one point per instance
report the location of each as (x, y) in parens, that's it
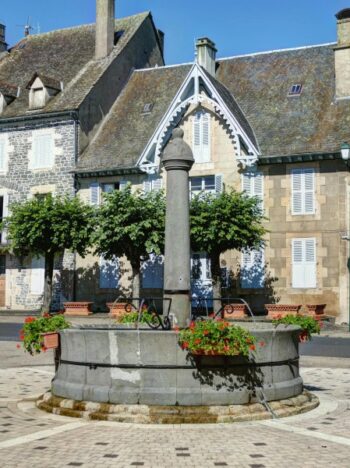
(236, 26)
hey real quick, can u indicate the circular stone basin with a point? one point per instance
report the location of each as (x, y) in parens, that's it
(148, 367)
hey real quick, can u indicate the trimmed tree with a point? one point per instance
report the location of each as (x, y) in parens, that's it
(229, 221)
(131, 224)
(47, 227)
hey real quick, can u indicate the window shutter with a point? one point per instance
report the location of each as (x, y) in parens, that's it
(43, 151)
(201, 137)
(5, 204)
(218, 183)
(246, 183)
(304, 263)
(109, 273)
(147, 185)
(252, 269)
(123, 184)
(153, 272)
(309, 191)
(297, 192)
(157, 184)
(37, 276)
(197, 130)
(2, 156)
(95, 194)
(259, 187)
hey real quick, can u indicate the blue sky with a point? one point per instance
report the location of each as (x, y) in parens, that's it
(236, 26)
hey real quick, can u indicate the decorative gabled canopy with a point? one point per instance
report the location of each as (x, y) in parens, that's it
(199, 88)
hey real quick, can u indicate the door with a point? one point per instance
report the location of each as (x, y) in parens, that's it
(2, 280)
(201, 284)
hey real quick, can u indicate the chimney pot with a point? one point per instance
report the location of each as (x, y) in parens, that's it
(206, 54)
(105, 14)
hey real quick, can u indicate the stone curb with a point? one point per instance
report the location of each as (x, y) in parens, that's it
(143, 414)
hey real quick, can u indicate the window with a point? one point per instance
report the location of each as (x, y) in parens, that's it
(200, 267)
(304, 263)
(201, 137)
(109, 273)
(295, 90)
(207, 184)
(43, 151)
(3, 155)
(109, 188)
(96, 189)
(147, 108)
(252, 269)
(303, 191)
(153, 272)
(253, 185)
(153, 182)
(37, 277)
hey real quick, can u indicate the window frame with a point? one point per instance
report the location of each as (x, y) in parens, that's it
(303, 191)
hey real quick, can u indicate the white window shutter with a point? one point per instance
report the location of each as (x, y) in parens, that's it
(43, 151)
(304, 263)
(157, 184)
(297, 192)
(123, 184)
(109, 273)
(37, 276)
(247, 183)
(205, 137)
(5, 204)
(147, 185)
(2, 155)
(309, 191)
(259, 187)
(218, 183)
(95, 194)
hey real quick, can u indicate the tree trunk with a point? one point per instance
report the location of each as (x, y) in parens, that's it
(216, 279)
(135, 280)
(49, 264)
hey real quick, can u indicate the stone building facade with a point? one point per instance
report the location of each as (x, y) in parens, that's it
(271, 124)
(55, 90)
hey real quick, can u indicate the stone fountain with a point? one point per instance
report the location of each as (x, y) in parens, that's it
(143, 375)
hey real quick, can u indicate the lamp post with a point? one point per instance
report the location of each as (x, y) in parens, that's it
(345, 155)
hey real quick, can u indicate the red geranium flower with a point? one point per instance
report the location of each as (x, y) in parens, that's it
(29, 319)
(185, 345)
(18, 346)
(197, 341)
(252, 347)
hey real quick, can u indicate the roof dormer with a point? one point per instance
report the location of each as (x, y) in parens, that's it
(8, 93)
(41, 90)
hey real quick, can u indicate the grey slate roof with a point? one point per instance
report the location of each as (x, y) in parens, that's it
(310, 123)
(65, 55)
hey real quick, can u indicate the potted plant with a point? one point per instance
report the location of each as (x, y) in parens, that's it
(307, 324)
(217, 338)
(40, 334)
(134, 316)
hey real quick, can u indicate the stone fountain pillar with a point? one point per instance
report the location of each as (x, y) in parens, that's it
(177, 160)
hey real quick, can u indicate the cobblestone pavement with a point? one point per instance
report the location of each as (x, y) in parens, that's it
(31, 438)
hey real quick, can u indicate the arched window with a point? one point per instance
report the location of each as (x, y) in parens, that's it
(201, 137)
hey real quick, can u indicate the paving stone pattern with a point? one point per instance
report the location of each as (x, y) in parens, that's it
(319, 438)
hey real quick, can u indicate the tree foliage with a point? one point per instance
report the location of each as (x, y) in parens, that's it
(231, 220)
(131, 224)
(46, 227)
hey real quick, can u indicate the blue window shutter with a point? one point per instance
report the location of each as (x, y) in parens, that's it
(252, 269)
(153, 272)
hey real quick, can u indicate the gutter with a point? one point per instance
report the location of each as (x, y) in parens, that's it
(295, 158)
(85, 173)
(45, 116)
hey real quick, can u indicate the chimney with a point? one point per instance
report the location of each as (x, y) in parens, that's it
(206, 54)
(342, 54)
(3, 45)
(104, 28)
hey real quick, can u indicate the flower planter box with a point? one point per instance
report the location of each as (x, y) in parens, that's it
(232, 311)
(51, 340)
(275, 310)
(77, 308)
(316, 309)
(116, 309)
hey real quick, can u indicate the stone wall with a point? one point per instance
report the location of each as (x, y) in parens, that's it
(21, 183)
